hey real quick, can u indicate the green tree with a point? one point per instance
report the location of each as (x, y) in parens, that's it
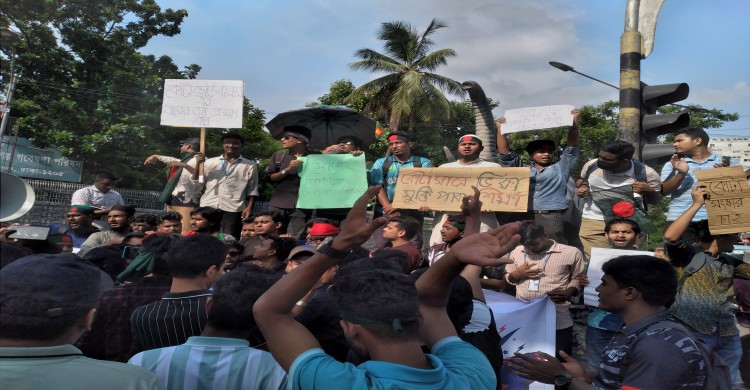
(336, 96)
(84, 85)
(409, 87)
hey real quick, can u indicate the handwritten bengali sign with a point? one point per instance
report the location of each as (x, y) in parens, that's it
(599, 256)
(535, 118)
(329, 181)
(501, 189)
(34, 163)
(202, 103)
(729, 205)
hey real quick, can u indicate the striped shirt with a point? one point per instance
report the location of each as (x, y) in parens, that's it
(170, 320)
(561, 266)
(214, 363)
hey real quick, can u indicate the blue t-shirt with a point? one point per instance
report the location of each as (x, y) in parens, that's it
(456, 365)
(376, 172)
(680, 198)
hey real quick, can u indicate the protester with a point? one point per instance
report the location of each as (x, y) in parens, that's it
(548, 186)
(282, 172)
(678, 176)
(469, 148)
(347, 144)
(266, 224)
(542, 267)
(451, 231)
(648, 353)
(231, 183)
(48, 302)
(119, 219)
(225, 357)
(80, 227)
(272, 253)
(613, 175)
(384, 172)
(704, 293)
(146, 280)
(380, 313)
(171, 223)
(208, 220)
(100, 196)
(399, 232)
(297, 256)
(319, 231)
(181, 194)
(144, 223)
(194, 262)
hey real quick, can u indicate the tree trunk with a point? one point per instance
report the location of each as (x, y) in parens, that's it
(394, 121)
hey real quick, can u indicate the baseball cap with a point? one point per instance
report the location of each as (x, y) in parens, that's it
(65, 282)
(302, 249)
(82, 208)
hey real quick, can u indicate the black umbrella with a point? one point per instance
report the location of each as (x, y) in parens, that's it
(326, 124)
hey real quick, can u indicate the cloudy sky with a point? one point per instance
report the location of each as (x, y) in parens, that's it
(289, 52)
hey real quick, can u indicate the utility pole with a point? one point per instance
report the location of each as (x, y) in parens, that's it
(630, 78)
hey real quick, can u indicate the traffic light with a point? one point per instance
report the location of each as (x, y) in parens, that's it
(653, 124)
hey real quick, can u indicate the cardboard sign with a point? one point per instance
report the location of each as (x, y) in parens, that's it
(442, 189)
(329, 181)
(728, 206)
(202, 103)
(536, 118)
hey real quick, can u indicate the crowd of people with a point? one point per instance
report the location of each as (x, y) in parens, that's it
(209, 295)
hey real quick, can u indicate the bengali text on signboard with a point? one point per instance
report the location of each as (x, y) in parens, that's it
(331, 181)
(202, 103)
(728, 205)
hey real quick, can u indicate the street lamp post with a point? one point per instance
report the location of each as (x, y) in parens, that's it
(568, 68)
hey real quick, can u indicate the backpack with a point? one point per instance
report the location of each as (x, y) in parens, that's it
(639, 171)
(718, 376)
(416, 162)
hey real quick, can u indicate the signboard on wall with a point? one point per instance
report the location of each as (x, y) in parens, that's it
(34, 163)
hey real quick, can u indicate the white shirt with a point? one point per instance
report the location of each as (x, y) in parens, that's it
(92, 196)
(229, 185)
(605, 180)
(191, 190)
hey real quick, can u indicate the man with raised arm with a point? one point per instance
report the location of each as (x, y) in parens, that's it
(384, 317)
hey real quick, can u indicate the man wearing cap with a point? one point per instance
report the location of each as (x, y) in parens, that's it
(48, 302)
(181, 194)
(384, 173)
(231, 183)
(297, 256)
(100, 195)
(80, 226)
(282, 174)
(119, 219)
(469, 148)
(548, 185)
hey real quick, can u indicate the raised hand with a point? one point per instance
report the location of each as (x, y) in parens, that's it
(488, 248)
(356, 231)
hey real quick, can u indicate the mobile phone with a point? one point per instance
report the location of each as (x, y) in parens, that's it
(726, 160)
(30, 232)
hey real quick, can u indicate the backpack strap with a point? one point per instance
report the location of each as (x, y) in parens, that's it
(639, 171)
(589, 171)
(695, 264)
(416, 162)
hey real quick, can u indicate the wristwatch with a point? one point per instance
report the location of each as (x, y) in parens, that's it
(562, 380)
(283, 172)
(326, 249)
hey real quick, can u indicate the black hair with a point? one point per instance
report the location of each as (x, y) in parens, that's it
(190, 256)
(408, 225)
(693, 133)
(654, 278)
(150, 219)
(383, 302)
(212, 215)
(248, 219)
(535, 145)
(624, 150)
(171, 216)
(399, 259)
(233, 135)
(633, 224)
(301, 130)
(354, 140)
(276, 217)
(127, 209)
(233, 298)
(400, 134)
(530, 231)
(106, 176)
(159, 244)
(20, 319)
(108, 258)
(282, 246)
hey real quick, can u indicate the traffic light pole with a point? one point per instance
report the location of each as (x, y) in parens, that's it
(630, 78)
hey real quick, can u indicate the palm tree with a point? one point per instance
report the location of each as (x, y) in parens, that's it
(409, 88)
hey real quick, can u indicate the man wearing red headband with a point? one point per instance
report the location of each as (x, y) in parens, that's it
(319, 231)
(385, 173)
(469, 148)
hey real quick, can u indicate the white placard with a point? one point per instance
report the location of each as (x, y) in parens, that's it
(598, 257)
(202, 103)
(536, 118)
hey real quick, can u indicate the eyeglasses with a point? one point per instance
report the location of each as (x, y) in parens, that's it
(350, 143)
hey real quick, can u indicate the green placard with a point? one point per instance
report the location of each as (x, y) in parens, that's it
(34, 163)
(331, 181)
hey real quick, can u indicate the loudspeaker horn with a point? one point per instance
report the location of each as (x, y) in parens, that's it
(16, 197)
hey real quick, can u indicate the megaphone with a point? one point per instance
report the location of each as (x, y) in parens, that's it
(16, 197)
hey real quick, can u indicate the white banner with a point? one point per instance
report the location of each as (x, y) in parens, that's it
(524, 327)
(598, 257)
(537, 118)
(202, 103)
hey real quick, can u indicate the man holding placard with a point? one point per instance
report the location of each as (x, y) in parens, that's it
(704, 301)
(231, 183)
(549, 179)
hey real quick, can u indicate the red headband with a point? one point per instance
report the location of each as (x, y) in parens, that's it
(398, 137)
(324, 229)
